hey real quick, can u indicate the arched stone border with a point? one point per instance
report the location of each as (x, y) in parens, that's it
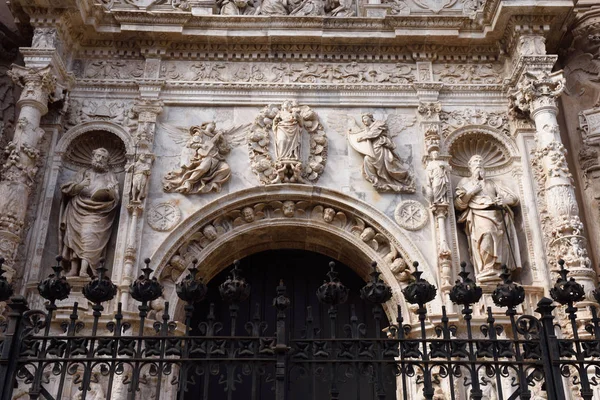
(505, 141)
(300, 231)
(78, 130)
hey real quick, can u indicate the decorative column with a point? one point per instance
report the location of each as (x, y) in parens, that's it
(536, 95)
(147, 111)
(437, 185)
(18, 173)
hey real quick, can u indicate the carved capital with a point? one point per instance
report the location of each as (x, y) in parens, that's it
(430, 111)
(148, 109)
(39, 86)
(537, 92)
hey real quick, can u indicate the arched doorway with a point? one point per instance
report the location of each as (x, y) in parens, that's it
(302, 273)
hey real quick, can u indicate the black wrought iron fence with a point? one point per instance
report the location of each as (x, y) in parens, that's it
(521, 360)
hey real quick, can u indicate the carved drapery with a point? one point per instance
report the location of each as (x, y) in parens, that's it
(536, 94)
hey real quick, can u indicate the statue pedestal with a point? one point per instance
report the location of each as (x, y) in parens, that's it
(76, 296)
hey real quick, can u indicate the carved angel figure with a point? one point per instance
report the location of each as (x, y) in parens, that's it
(294, 131)
(381, 166)
(202, 167)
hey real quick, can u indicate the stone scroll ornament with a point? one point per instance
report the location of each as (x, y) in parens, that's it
(374, 140)
(202, 167)
(287, 144)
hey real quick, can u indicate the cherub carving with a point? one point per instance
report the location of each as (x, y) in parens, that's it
(329, 216)
(288, 208)
(369, 235)
(202, 167)
(287, 144)
(248, 214)
(381, 166)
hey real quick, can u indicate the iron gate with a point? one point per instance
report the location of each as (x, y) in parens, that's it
(523, 359)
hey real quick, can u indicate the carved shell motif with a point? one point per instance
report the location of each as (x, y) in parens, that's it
(79, 153)
(287, 144)
(495, 155)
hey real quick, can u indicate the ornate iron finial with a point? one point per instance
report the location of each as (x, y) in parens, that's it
(376, 291)
(235, 289)
(465, 291)
(566, 291)
(6, 289)
(144, 289)
(333, 292)
(55, 287)
(100, 289)
(191, 289)
(508, 294)
(420, 291)
(281, 302)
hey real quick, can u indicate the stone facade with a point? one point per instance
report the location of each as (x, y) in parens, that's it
(234, 127)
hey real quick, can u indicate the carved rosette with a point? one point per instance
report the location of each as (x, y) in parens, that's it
(287, 144)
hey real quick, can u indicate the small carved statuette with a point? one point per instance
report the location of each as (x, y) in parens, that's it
(437, 180)
(489, 222)
(87, 214)
(141, 172)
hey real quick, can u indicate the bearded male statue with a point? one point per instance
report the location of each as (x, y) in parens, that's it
(489, 222)
(87, 213)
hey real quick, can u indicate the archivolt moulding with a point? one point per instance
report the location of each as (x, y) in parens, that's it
(290, 216)
(75, 147)
(497, 150)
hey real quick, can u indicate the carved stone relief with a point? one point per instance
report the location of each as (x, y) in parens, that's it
(382, 166)
(202, 166)
(411, 215)
(287, 209)
(113, 69)
(589, 155)
(163, 216)
(308, 72)
(468, 73)
(287, 143)
(452, 120)
(7, 102)
(116, 111)
(44, 38)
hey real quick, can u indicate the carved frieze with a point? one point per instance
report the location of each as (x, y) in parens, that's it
(113, 69)
(309, 72)
(287, 144)
(453, 120)
(116, 111)
(487, 73)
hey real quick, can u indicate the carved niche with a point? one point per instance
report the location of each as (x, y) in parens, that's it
(287, 144)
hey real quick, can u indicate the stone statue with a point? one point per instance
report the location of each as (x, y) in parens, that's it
(386, 171)
(437, 180)
(274, 7)
(309, 8)
(202, 167)
(141, 172)
(237, 7)
(489, 222)
(287, 144)
(286, 128)
(382, 166)
(87, 214)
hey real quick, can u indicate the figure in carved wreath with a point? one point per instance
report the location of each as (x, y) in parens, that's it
(292, 129)
(202, 167)
(489, 222)
(87, 214)
(141, 172)
(381, 165)
(437, 180)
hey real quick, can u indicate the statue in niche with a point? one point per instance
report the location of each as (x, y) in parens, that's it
(437, 179)
(87, 214)
(141, 172)
(382, 167)
(489, 222)
(237, 7)
(299, 146)
(202, 167)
